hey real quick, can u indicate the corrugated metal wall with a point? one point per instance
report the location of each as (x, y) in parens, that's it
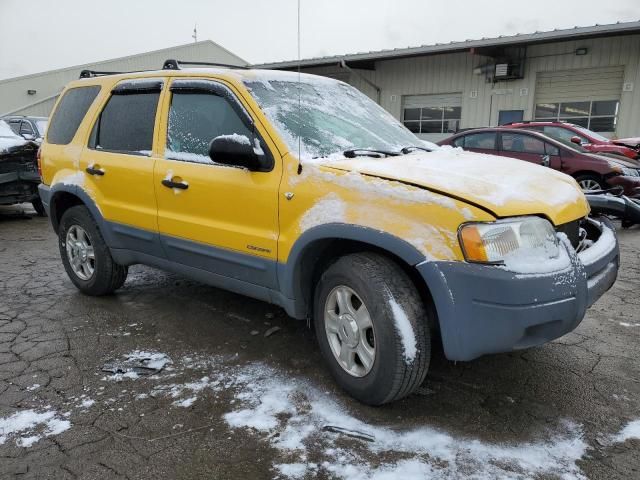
(451, 73)
(15, 99)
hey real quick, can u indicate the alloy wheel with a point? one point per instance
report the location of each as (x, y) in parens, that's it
(80, 252)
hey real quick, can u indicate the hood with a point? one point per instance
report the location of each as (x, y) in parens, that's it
(632, 142)
(504, 186)
(613, 159)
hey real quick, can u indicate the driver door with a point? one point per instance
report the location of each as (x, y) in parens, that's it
(214, 217)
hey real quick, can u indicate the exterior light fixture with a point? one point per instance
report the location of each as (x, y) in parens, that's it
(582, 51)
(31, 92)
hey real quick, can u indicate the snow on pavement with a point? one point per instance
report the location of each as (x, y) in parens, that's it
(292, 413)
(26, 427)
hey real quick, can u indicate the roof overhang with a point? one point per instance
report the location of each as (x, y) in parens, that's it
(366, 60)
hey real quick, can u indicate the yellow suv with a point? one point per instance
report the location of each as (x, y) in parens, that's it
(301, 191)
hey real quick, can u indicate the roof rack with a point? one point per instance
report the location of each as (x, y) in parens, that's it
(172, 64)
(96, 73)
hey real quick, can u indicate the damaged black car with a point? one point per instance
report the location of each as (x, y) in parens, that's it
(19, 176)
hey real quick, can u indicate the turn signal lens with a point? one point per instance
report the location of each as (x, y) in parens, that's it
(39, 161)
(472, 244)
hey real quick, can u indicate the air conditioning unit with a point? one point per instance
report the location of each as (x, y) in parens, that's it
(507, 71)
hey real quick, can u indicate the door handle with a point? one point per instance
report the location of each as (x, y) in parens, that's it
(94, 170)
(172, 184)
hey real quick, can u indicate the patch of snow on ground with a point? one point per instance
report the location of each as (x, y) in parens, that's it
(405, 330)
(291, 414)
(631, 430)
(29, 426)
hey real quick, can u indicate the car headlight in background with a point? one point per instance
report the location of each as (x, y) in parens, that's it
(627, 172)
(509, 242)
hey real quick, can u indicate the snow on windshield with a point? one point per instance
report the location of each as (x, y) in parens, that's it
(42, 126)
(329, 116)
(5, 130)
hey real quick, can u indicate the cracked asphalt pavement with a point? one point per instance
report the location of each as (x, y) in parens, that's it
(54, 342)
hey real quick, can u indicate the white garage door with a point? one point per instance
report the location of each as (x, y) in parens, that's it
(589, 97)
(432, 117)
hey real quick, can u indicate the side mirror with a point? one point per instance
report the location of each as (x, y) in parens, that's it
(28, 136)
(576, 139)
(237, 151)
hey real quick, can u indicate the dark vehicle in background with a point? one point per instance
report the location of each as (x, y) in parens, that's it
(591, 171)
(29, 128)
(19, 176)
(589, 140)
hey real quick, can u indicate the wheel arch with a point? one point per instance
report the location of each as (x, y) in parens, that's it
(63, 197)
(320, 246)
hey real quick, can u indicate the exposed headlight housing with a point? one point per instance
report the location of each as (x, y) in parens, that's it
(627, 172)
(512, 242)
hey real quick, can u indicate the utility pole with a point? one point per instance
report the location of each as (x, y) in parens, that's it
(195, 33)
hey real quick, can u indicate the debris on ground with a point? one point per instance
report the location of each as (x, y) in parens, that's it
(138, 363)
(349, 433)
(271, 331)
(254, 332)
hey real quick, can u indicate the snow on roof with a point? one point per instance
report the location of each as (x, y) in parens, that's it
(619, 28)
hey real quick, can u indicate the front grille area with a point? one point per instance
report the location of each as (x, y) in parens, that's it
(572, 231)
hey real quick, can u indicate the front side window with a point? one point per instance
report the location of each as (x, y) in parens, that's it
(520, 143)
(596, 115)
(480, 141)
(69, 113)
(25, 128)
(195, 119)
(126, 123)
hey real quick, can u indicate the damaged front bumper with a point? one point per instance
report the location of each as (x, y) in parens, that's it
(484, 309)
(18, 186)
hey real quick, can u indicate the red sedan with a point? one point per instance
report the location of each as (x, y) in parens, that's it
(591, 141)
(591, 171)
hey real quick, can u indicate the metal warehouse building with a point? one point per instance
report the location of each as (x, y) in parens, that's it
(588, 75)
(36, 94)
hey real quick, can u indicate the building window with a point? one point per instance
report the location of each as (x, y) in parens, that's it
(597, 115)
(444, 119)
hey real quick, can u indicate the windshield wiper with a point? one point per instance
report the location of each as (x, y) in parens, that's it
(411, 148)
(368, 152)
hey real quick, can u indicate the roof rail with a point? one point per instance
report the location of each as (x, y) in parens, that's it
(172, 64)
(96, 73)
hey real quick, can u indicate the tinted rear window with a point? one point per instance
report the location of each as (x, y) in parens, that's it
(71, 110)
(126, 123)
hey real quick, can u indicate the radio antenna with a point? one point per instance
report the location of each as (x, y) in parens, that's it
(299, 100)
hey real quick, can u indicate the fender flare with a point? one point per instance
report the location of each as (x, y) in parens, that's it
(82, 195)
(290, 272)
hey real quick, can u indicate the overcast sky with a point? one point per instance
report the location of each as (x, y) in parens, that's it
(38, 35)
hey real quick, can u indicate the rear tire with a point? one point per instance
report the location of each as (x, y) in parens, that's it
(86, 256)
(590, 183)
(398, 336)
(39, 207)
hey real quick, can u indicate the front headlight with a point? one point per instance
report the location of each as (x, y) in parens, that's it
(630, 172)
(512, 242)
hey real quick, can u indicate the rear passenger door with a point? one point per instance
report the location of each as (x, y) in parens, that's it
(118, 164)
(529, 148)
(224, 219)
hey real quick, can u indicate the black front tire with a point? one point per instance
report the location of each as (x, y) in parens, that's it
(39, 207)
(384, 288)
(108, 276)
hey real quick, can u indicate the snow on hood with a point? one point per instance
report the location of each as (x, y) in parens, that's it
(505, 186)
(9, 139)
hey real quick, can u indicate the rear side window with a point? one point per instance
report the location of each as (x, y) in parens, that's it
(126, 123)
(481, 141)
(71, 110)
(519, 143)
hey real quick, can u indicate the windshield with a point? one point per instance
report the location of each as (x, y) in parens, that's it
(331, 117)
(42, 127)
(5, 130)
(592, 134)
